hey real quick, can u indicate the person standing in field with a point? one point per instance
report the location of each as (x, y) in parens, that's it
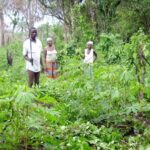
(50, 55)
(32, 48)
(90, 57)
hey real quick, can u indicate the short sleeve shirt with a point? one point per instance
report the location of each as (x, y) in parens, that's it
(34, 52)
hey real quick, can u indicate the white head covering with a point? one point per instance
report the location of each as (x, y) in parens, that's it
(49, 39)
(90, 43)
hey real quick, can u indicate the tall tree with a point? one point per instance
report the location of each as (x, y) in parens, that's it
(2, 24)
(24, 13)
(61, 9)
(31, 11)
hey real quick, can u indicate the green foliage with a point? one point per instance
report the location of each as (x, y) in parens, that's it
(131, 48)
(77, 111)
(83, 30)
(112, 47)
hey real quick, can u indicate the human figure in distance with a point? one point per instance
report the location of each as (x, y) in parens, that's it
(89, 57)
(32, 48)
(50, 57)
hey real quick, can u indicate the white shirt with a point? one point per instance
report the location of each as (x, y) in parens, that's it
(36, 53)
(89, 57)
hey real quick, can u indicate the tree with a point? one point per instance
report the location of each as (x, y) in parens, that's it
(130, 16)
(31, 12)
(60, 9)
(27, 12)
(2, 24)
(13, 13)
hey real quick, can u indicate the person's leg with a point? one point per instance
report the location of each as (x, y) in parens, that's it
(91, 71)
(31, 78)
(49, 70)
(55, 73)
(36, 79)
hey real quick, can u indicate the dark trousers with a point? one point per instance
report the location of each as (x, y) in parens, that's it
(33, 78)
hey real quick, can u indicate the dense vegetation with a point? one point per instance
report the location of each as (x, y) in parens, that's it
(75, 111)
(110, 110)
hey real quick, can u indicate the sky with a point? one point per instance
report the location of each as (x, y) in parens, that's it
(47, 19)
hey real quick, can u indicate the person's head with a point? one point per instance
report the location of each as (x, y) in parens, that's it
(33, 33)
(89, 44)
(49, 41)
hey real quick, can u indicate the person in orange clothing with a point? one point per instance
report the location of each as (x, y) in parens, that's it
(50, 56)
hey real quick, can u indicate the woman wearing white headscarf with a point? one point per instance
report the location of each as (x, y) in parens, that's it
(50, 59)
(90, 57)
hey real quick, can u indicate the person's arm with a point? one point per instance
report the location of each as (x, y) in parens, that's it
(27, 58)
(41, 58)
(25, 53)
(95, 55)
(41, 62)
(44, 55)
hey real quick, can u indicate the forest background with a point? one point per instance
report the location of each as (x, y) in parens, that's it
(110, 110)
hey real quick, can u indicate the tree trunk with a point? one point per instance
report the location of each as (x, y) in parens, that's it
(30, 16)
(2, 40)
(9, 58)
